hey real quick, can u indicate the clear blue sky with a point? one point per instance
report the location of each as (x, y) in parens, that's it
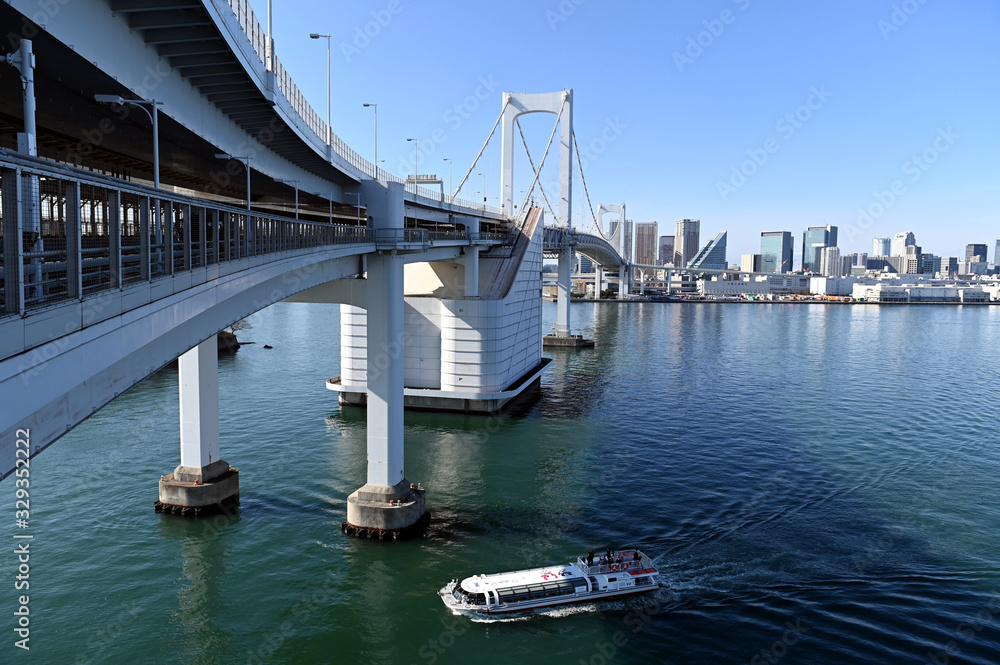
(897, 80)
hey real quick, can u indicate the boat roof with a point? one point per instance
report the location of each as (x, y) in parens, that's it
(483, 583)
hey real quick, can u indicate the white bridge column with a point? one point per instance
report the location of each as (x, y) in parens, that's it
(563, 299)
(198, 379)
(598, 281)
(203, 481)
(385, 370)
(624, 287)
(387, 504)
(470, 262)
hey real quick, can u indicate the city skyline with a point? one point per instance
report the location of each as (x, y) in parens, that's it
(853, 115)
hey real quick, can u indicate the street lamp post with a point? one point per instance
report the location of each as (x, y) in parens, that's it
(294, 183)
(329, 131)
(246, 161)
(451, 192)
(330, 196)
(153, 118)
(484, 189)
(358, 196)
(416, 153)
(374, 107)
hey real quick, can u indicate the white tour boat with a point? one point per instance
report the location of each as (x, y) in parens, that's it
(590, 578)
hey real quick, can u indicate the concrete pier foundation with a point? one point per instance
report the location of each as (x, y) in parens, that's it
(388, 503)
(202, 483)
(377, 511)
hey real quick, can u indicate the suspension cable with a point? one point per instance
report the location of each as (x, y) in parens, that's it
(584, 180)
(481, 150)
(532, 163)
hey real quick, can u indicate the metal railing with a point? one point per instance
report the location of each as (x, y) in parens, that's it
(67, 234)
(291, 92)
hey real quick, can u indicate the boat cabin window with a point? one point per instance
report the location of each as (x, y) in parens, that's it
(537, 591)
(471, 598)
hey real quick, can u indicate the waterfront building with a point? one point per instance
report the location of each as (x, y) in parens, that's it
(911, 260)
(666, 250)
(996, 254)
(929, 264)
(686, 241)
(713, 255)
(953, 293)
(584, 264)
(881, 246)
(814, 240)
(948, 266)
(776, 251)
(901, 241)
(829, 262)
(973, 250)
(750, 262)
(646, 248)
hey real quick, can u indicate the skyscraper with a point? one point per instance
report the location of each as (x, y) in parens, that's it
(713, 255)
(813, 241)
(750, 262)
(881, 246)
(974, 250)
(627, 240)
(901, 241)
(996, 254)
(666, 250)
(645, 243)
(686, 241)
(776, 251)
(830, 264)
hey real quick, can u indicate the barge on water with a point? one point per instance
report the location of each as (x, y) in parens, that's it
(588, 579)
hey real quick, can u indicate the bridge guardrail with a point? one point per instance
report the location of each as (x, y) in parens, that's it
(297, 100)
(67, 234)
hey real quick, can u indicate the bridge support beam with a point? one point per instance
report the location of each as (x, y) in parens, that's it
(203, 482)
(563, 291)
(624, 282)
(388, 503)
(598, 281)
(562, 336)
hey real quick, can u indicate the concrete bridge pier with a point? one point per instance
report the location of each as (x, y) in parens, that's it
(562, 336)
(598, 282)
(624, 282)
(387, 504)
(203, 482)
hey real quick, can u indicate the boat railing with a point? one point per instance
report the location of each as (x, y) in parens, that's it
(603, 567)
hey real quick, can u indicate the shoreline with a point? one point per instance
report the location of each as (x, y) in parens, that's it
(777, 302)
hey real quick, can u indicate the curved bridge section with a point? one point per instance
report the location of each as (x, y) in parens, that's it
(102, 283)
(595, 247)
